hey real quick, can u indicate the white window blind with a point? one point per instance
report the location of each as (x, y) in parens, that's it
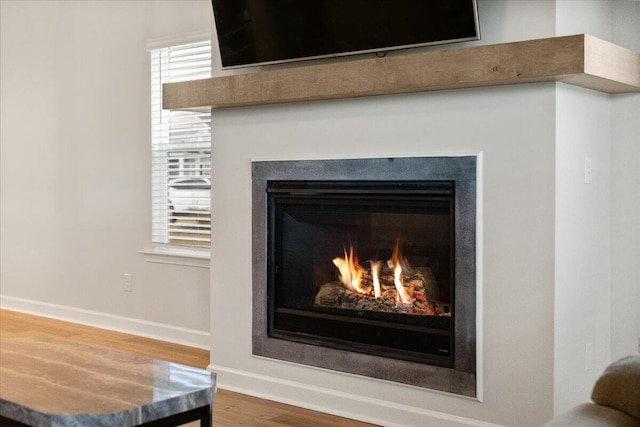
(181, 152)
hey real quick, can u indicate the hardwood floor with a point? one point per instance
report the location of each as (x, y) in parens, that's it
(229, 410)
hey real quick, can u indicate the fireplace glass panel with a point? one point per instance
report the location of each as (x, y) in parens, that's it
(363, 266)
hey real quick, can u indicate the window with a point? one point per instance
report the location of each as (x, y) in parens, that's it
(181, 152)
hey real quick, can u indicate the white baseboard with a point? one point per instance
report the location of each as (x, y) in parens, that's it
(374, 411)
(159, 331)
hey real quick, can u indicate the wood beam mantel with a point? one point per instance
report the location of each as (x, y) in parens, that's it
(580, 60)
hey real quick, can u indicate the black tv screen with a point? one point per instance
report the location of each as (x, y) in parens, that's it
(252, 32)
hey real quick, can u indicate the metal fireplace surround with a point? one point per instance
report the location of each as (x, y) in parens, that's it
(458, 373)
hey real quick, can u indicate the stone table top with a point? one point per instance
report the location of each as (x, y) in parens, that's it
(51, 382)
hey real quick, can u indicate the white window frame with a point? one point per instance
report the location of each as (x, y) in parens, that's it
(180, 230)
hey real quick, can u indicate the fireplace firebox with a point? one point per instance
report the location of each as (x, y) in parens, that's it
(367, 266)
(364, 266)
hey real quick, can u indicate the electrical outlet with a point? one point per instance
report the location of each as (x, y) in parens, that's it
(128, 282)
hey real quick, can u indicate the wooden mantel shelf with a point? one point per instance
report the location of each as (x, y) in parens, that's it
(580, 60)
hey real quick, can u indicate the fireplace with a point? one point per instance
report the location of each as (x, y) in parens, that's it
(367, 266)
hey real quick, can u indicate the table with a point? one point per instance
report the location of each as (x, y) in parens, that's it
(51, 382)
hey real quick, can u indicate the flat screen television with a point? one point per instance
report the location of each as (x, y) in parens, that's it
(256, 32)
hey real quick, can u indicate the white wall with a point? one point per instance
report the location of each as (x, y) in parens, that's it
(597, 295)
(513, 127)
(75, 171)
(585, 16)
(625, 197)
(582, 280)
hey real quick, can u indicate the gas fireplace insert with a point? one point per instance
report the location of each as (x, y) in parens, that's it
(364, 266)
(367, 266)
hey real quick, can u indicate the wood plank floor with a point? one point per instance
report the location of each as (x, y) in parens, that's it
(229, 410)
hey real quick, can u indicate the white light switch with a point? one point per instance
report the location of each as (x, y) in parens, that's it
(588, 170)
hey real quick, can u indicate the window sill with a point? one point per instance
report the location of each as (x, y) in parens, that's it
(178, 256)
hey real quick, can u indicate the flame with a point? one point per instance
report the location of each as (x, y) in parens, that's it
(396, 263)
(350, 270)
(375, 272)
(375, 282)
(350, 274)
